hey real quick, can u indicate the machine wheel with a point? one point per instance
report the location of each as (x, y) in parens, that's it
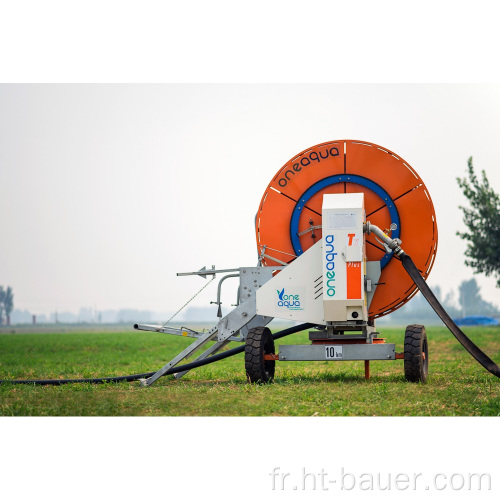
(416, 354)
(259, 342)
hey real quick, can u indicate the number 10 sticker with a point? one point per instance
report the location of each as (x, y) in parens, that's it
(333, 351)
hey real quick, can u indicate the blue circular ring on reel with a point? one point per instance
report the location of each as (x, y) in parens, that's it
(336, 179)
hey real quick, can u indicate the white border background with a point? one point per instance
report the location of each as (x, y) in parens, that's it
(224, 41)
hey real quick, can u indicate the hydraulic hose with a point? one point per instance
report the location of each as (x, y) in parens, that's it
(176, 369)
(467, 343)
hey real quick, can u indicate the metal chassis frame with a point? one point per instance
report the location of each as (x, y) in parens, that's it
(350, 352)
(232, 327)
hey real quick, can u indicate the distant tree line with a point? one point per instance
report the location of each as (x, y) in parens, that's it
(85, 315)
(469, 302)
(6, 304)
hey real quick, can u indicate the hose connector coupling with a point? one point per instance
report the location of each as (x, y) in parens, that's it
(391, 245)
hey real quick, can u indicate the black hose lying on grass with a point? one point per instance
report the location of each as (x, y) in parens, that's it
(176, 369)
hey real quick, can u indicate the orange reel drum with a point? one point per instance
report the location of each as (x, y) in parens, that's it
(394, 193)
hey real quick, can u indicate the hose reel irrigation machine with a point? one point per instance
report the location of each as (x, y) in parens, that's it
(330, 229)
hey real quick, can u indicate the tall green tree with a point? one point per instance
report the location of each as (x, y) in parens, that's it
(482, 220)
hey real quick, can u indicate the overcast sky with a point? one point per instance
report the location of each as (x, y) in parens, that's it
(108, 190)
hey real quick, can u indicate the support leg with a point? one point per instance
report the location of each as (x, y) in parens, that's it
(209, 352)
(197, 344)
(367, 369)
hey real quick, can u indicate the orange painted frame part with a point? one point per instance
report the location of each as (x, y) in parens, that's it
(353, 276)
(418, 229)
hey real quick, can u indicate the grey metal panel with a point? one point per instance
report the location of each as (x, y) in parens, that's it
(241, 319)
(373, 273)
(351, 352)
(236, 319)
(244, 315)
(252, 278)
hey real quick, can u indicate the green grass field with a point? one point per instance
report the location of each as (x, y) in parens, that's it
(457, 384)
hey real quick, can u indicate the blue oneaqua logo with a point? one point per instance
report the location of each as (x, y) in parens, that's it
(330, 265)
(290, 301)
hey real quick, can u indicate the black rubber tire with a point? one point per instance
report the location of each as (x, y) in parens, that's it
(259, 342)
(416, 354)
